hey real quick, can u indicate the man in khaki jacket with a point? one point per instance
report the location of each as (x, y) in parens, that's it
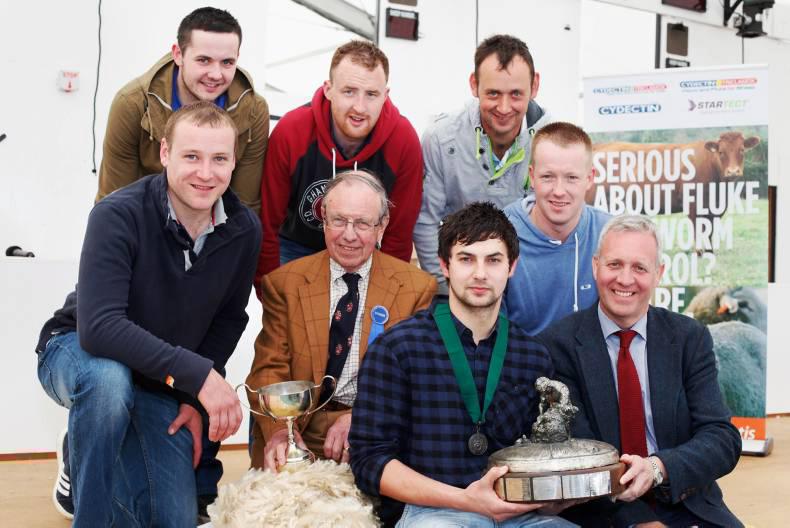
(201, 67)
(349, 279)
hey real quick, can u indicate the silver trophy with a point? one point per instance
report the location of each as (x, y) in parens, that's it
(550, 465)
(288, 401)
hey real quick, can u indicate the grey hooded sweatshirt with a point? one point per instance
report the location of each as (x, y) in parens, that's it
(458, 172)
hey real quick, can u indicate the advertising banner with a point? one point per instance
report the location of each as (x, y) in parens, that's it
(689, 147)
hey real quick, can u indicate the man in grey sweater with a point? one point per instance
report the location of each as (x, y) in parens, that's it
(482, 152)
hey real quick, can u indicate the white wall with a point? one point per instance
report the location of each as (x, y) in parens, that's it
(31, 419)
(632, 48)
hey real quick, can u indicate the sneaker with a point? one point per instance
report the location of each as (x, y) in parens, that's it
(203, 502)
(61, 493)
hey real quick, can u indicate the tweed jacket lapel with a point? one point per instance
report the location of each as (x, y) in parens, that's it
(663, 364)
(382, 290)
(596, 369)
(314, 301)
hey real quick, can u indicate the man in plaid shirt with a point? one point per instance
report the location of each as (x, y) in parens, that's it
(412, 431)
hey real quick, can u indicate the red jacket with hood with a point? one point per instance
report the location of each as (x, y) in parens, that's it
(302, 158)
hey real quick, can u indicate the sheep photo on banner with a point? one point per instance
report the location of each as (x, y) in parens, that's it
(689, 147)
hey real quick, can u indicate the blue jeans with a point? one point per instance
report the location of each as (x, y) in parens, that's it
(290, 250)
(125, 469)
(426, 517)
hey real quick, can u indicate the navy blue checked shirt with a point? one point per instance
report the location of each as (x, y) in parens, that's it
(409, 406)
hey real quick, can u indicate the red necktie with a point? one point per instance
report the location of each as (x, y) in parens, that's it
(632, 413)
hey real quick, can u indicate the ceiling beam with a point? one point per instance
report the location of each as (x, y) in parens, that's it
(347, 15)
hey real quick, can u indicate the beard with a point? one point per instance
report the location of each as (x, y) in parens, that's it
(465, 298)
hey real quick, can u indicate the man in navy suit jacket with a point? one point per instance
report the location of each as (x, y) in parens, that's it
(675, 405)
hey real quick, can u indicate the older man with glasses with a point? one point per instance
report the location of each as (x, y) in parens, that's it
(322, 311)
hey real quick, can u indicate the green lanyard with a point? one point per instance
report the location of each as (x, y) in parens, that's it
(515, 157)
(463, 374)
(519, 156)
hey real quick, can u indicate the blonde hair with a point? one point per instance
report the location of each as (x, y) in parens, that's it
(202, 113)
(562, 134)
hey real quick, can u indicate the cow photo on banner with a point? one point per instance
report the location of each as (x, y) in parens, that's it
(690, 149)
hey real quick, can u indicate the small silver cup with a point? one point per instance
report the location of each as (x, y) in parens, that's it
(288, 401)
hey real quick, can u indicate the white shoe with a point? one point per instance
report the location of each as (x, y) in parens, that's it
(61, 492)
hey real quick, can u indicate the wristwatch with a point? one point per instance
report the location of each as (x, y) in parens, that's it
(658, 476)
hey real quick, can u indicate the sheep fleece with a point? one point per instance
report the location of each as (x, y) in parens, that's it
(321, 494)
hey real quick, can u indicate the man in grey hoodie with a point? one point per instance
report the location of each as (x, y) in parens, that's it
(557, 231)
(480, 153)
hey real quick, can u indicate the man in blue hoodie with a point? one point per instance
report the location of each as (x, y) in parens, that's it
(557, 231)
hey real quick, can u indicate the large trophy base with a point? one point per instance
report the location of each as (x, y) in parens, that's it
(555, 486)
(551, 465)
(552, 471)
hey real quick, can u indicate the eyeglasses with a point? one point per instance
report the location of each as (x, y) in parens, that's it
(360, 226)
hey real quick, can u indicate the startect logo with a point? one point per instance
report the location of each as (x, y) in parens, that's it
(717, 105)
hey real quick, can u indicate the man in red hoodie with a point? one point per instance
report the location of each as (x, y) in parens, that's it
(350, 124)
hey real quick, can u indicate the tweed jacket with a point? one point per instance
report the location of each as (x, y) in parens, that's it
(696, 441)
(294, 340)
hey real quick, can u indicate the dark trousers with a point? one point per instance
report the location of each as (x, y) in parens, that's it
(209, 469)
(598, 513)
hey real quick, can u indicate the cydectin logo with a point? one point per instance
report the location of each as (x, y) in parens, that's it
(645, 108)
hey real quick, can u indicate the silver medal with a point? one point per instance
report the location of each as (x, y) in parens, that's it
(478, 443)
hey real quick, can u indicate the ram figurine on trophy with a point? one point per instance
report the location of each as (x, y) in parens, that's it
(288, 401)
(552, 466)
